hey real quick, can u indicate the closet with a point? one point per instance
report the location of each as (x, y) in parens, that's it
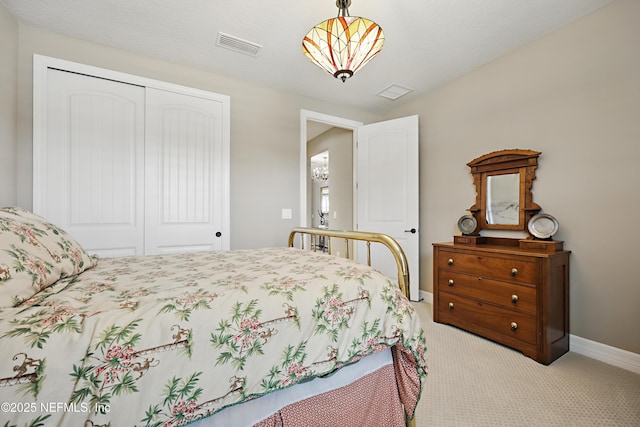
(128, 165)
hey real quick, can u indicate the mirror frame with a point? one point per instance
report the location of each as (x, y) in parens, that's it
(504, 162)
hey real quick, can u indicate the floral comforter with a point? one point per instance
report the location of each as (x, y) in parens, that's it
(165, 340)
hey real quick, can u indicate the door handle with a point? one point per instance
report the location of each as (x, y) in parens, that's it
(412, 231)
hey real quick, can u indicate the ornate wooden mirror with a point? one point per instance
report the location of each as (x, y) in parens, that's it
(503, 181)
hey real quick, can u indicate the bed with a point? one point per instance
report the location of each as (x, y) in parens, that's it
(265, 337)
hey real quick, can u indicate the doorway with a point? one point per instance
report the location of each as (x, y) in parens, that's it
(384, 182)
(313, 125)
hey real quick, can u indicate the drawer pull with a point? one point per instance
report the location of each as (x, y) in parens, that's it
(514, 298)
(450, 282)
(514, 326)
(514, 271)
(450, 306)
(450, 262)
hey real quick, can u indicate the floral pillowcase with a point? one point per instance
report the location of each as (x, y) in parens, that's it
(34, 254)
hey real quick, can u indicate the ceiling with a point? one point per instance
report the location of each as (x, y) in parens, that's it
(427, 42)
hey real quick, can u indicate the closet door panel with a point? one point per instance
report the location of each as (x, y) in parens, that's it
(92, 180)
(183, 173)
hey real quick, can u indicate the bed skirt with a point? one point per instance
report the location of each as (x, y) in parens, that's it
(370, 401)
(371, 392)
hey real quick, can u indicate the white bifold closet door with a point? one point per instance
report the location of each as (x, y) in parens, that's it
(90, 174)
(182, 155)
(128, 169)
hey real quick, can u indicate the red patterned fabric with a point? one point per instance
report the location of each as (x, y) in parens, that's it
(372, 400)
(407, 378)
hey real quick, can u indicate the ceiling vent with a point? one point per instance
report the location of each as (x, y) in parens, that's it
(394, 91)
(237, 44)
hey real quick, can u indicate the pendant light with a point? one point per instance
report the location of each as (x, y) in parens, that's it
(343, 45)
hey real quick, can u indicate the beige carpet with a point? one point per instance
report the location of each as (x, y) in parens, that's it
(475, 382)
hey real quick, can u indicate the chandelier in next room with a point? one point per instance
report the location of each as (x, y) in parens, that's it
(320, 174)
(343, 45)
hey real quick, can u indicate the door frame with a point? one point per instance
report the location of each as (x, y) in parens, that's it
(340, 122)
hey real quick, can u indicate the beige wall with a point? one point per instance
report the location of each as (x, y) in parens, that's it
(265, 132)
(8, 98)
(575, 96)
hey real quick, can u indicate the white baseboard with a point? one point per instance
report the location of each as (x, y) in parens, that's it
(426, 297)
(612, 355)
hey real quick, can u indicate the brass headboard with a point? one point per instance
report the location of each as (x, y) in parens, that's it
(389, 242)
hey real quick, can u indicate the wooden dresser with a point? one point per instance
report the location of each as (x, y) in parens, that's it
(516, 296)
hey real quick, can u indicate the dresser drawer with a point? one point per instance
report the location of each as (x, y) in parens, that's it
(505, 294)
(497, 323)
(516, 269)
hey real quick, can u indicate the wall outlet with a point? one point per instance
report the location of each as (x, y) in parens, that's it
(287, 214)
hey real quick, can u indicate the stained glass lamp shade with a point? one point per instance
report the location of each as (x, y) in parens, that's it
(343, 45)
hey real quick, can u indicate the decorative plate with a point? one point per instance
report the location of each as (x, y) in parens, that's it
(543, 226)
(467, 224)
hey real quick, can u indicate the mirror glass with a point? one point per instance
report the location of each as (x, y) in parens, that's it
(503, 199)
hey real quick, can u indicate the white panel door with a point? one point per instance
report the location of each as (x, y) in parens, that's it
(184, 179)
(388, 192)
(88, 178)
(129, 165)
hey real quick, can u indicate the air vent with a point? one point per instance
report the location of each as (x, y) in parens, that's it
(237, 44)
(394, 91)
